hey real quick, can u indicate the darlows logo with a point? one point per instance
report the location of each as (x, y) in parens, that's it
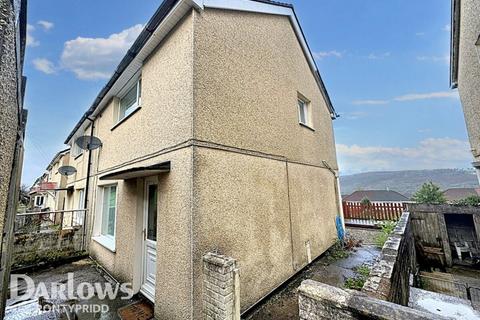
(22, 287)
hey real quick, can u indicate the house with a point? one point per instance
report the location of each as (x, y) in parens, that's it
(216, 136)
(465, 68)
(375, 196)
(47, 193)
(455, 194)
(13, 22)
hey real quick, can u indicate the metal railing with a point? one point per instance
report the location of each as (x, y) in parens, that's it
(48, 221)
(452, 288)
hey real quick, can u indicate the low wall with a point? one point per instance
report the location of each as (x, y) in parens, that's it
(320, 301)
(34, 248)
(390, 276)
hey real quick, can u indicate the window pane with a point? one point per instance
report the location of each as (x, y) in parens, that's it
(302, 111)
(128, 102)
(108, 210)
(152, 212)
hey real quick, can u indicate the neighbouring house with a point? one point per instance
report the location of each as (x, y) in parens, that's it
(13, 25)
(48, 191)
(377, 196)
(216, 136)
(465, 67)
(455, 194)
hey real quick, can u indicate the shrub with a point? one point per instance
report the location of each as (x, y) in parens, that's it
(468, 201)
(429, 193)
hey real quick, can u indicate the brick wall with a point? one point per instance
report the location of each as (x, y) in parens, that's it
(320, 301)
(221, 291)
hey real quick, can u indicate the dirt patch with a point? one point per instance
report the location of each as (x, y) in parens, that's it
(366, 235)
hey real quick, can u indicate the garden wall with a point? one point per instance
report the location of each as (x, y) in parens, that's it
(320, 301)
(390, 276)
(33, 248)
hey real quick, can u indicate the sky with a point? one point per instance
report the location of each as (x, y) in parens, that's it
(385, 65)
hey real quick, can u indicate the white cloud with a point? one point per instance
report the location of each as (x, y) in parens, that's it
(96, 58)
(46, 25)
(354, 115)
(430, 153)
(31, 41)
(323, 54)
(447, 28)
(370, 102)
(44, 65)
(445, 58)
(410, 97)
(425, 96)
(377, 56)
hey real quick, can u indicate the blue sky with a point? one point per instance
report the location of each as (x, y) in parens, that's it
(384, 63)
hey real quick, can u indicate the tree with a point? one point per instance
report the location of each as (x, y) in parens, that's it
(24, 197)
(469, 201)
(429, 193)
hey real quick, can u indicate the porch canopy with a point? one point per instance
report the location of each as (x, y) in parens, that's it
(138, 172)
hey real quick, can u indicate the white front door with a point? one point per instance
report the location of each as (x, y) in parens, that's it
(150, 239)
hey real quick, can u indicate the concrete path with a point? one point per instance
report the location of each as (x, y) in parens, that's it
(83, 271)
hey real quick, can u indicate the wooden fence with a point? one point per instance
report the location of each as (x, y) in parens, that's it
(373, 212)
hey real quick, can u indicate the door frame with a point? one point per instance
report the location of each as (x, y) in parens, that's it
(148, 181)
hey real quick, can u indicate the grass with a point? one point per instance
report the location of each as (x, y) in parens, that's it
(387, 228)
(357, 282)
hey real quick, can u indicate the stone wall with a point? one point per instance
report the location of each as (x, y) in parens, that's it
(320, 301)
(43, 247)
(221, 288)
(390, 276)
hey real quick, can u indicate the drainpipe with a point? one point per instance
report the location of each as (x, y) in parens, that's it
(337, 192)
(87, 184)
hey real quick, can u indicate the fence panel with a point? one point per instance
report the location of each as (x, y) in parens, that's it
(372, 213)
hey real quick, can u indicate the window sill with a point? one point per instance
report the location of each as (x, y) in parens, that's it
(125, 119)
(107, 242)
(306, 126)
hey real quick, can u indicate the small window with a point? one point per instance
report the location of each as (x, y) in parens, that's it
(76, 150)
(131, 100)
(39, 200)
(303, 112)
(109, 208)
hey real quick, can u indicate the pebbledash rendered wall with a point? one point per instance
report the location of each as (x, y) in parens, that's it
(219, 100)
(12, 126)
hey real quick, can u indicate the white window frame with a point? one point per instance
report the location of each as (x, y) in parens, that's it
(108, 241)
(36, 201)
(305, 111)
(137, 82)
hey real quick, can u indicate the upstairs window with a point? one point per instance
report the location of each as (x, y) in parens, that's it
(131, 100)
(304, 112)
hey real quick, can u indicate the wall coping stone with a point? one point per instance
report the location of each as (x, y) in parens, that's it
(442, 208)
(359, 303)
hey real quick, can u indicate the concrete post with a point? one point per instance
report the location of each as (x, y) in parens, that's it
(221, 288)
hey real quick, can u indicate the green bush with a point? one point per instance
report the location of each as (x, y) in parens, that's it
(429, 193)
(468, 201)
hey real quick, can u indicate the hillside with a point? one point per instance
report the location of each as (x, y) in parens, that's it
(407, 182)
